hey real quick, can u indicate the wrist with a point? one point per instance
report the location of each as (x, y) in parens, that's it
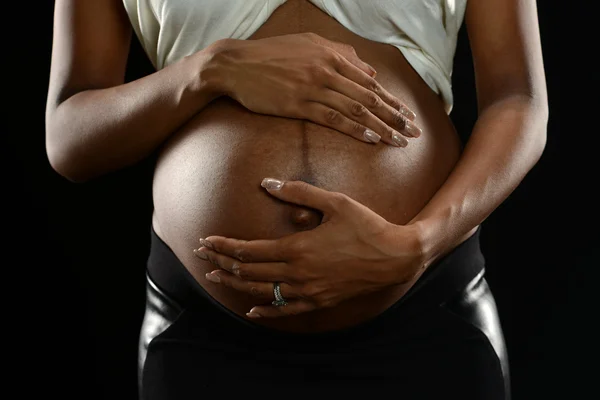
(429, 239)
(206, 71)
(405, 244)
(216, 63)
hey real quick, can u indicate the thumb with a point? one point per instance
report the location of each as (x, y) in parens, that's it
(299, 192)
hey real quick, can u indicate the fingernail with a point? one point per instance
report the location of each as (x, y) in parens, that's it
(235, 268)
(399, 140)
(200, 254)
(206, 243)
(407, 113)
(253, 314)
(412, 129)
(371, 136)
(213, 278)
(271, 183)
(373, 72)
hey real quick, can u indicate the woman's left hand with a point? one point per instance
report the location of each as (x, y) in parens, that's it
(353, 251)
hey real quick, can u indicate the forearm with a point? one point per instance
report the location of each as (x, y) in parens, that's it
(507, 141)
(97, 131)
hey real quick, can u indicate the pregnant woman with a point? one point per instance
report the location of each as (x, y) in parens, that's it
(316, 217)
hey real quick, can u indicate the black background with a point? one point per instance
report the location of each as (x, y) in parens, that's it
(74, 254)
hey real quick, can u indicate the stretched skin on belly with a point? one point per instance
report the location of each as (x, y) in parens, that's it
(207, 178)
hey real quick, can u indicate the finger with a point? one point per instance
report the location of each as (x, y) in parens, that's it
(356, 111)
(344, 50)
(302, 193)
(356, 97)
(294, 307)
(258, 289)
(323, 115)
(268, 272)
(351, 57)
(226, 251)
(350, 72)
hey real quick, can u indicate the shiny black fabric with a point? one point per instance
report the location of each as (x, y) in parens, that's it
(443, 339)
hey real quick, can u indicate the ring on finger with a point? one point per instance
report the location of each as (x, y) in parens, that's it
(279, 300)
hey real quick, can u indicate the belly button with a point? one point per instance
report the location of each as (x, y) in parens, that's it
(305, 218)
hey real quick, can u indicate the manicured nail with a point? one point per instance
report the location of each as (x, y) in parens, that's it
(213, 278)
(371, 136)
(235, 268)
(253, 314)
(412, 129)
(200, 254)
(407, 113)
(206, 243)
(373, 71)
(399, 140)
(271, 183)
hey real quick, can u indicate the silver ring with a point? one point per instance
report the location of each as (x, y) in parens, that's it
(279, 300)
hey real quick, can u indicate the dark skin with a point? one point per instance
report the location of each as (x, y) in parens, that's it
(92, 114)
(95, 123)
(508, 139)
(104, 128)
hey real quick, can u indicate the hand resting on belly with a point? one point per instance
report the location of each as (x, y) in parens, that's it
(305, 76)
(207, 177)
(353, 252)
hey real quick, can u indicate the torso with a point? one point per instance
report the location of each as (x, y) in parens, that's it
(207, 178)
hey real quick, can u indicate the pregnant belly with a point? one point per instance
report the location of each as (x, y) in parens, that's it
(207, 182)
(207, 178)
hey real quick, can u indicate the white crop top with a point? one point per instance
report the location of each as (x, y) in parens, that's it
(425, 31)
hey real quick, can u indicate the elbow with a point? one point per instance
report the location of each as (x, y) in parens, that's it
(543, 117)
(63, 160)
(59, 150)
(64, 165)
(541, 133)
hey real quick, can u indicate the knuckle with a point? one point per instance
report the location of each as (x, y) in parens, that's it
(242, 255)
(338, 200)
(395, 104)
(356, 128)
(279, 250)
(256, 292)
(297, 277)
(297, 248)
(317, 71)
(308, 276)
(310, 291)
(334, 56)
(302, 186)
(212, 259)
(333, 117)
(373, 86)
(225, 281)
(349, 48)
(399, 120)
(298, 109)
(373, 100)
(357, 109)
(289, 108)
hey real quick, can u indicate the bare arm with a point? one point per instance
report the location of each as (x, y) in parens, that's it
(94, 122)
(510, 134)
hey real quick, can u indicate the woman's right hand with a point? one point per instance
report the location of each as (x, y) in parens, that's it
(309, 77)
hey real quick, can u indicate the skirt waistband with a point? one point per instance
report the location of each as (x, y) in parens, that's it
(439, 283)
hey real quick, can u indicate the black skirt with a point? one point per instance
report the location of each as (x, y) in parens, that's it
(443, 339)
